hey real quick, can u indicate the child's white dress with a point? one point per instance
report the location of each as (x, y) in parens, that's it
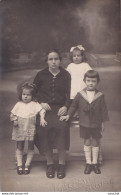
(26, 117)
(77, 72)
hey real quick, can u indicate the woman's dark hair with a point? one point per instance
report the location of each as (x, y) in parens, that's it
(50, 51)
(84, 59)
(92, 74)
(29, 86)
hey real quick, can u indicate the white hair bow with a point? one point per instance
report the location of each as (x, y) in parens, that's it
(78, 46)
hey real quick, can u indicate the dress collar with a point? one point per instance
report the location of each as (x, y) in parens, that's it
(62, 71)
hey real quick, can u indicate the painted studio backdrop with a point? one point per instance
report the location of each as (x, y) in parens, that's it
(29, 28)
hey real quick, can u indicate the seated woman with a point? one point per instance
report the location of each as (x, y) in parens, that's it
(53, 89)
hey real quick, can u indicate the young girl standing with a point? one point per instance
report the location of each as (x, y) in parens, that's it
(23, 116)
(92, 109)
(77, 69)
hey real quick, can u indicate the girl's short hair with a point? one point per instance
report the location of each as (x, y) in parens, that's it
(50, 51)
(83, 54)
(92, 74)
(26, 85)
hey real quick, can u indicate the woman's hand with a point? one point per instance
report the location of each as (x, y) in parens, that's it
(43, 122)
(66, 118)
(62, 111)
(46, 106)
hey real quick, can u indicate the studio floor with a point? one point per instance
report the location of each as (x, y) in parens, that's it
(75, 181)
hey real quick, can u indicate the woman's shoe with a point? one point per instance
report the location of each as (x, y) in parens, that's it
(50, 171)
(61, 171)
(96, 169)
(19, 170)
(88, 169)
(26, 170)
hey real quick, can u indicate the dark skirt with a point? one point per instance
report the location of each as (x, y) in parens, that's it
(55, 135)
(87, 133)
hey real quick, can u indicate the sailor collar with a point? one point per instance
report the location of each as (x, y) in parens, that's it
(83, 93)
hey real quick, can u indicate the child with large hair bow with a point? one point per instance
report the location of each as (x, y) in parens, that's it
(77, 68)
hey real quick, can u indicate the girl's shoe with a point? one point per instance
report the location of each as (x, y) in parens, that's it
(96, 169)
(88, 169)
(26, 170)
(19, 170)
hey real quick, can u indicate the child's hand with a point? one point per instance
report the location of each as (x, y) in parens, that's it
(43, 122)
(15, 123)
(66, 118)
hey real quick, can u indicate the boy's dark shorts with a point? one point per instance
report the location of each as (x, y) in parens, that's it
(87, 133)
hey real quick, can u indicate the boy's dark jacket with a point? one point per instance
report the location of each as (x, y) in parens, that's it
(90, 114)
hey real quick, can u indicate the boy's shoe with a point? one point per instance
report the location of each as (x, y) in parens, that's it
(19, 170)
(61, 171)
(96, 169)
(26, 170)
(50, 171)
(88, 169)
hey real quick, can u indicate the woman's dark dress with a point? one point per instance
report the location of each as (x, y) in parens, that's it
(54, 90)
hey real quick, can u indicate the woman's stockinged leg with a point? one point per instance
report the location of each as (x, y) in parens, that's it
(62, 156)
(49, 157)
(30, 153)
(61, 166)
(50, 170)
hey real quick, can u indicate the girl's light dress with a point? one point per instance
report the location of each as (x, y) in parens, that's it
(77, 72)
(26, 117)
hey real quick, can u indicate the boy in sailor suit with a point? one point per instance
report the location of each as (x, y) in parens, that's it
(92, 111)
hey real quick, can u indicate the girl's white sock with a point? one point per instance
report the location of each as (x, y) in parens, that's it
(87, 152)
(95, 151)
(29, 158)
(19, 157)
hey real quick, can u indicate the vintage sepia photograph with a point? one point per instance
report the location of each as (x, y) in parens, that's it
(60, 96)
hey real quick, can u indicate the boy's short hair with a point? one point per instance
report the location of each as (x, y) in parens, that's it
(92, 74)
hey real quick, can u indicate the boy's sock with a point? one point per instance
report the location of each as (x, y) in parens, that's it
(95, 151)
(100, 153)
(19, 157)
(87, 152)
(30, 155)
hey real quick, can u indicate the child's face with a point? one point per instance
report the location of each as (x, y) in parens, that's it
(91, 83)
(77, 57)
(53, 60)
(26, 96)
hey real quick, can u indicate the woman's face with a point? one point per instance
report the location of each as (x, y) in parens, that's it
(53, 60)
